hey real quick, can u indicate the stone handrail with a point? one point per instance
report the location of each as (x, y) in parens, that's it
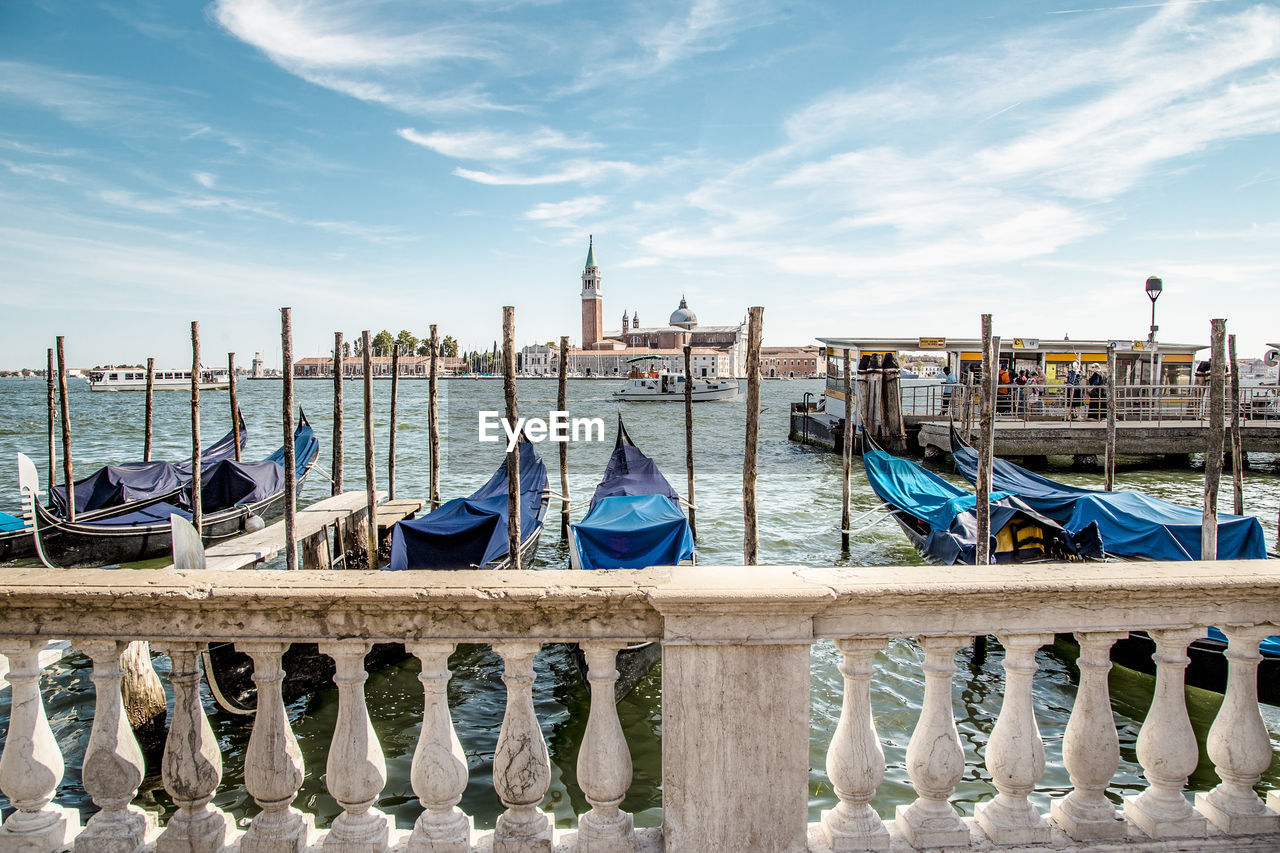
(735, 682)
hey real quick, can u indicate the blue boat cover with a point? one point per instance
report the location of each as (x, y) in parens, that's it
(156, 513)
(472, 531)
(632, 532)
(630, 472)
(1132, 524)
(116, 485)
(10, 522)
(950, 512)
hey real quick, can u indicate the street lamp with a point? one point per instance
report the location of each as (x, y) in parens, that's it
(1154, 288)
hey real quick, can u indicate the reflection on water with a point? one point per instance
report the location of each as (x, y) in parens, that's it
(799, 503)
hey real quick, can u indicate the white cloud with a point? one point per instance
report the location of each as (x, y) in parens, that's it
(565, 214)
(495, 145)
(204, 179)
(579, 171)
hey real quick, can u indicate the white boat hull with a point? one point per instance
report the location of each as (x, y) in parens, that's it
(184, 385)
(701, 393)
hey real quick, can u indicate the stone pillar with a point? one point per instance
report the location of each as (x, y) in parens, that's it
(521, 766)
(935, 758)
(1091, 748)
(439, 773)
(735, 738)
(855, 759)
(273, 769)
(1015, 753)
(1167, 747)
(604, 762)
(192, 765)
(1239, 743)
(31, 765)
(356, 770)
(113, 765)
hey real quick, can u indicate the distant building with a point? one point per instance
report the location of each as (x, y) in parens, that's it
(792, 362)
(257, 366)
(411, 367)
(682, 330)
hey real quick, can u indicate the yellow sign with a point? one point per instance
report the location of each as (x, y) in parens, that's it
(933, 343)
(1139, 346)
(1026, 343)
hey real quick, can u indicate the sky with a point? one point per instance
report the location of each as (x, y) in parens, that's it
(859, 169)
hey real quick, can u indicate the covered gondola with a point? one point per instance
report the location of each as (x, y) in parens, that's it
(1137, 526)
(464, 533)
(234, 497)
(941, 519)
(111, 487)
(634, 521)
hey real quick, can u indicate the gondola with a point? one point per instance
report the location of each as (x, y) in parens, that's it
(104, 491)
(235, 496)
(634, 521)
(1137, 526)
(464, 533)
(941, 519)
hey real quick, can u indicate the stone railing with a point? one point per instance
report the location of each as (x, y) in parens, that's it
(735, 705)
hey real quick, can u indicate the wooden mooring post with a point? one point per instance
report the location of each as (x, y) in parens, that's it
(1109, 459)
(235, 405)
(68, 478)
(52, 382)
(1213, 453)
(846, 452)
(750, 514)
(433, 420)
(513, 456)
(688, 436)
(391, 435)
(370, 484)
(197, 478)
(1237, 446)
(986, 453)
(151, 409)
(562, 404)
(290, 461)
(336, 463)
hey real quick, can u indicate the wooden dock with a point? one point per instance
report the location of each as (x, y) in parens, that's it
(1086, 438)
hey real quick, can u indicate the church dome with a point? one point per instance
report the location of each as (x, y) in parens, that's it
(683, 317)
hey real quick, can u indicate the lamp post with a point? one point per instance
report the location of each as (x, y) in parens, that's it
(1154, 288)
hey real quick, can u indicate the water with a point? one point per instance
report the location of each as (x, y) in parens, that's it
(799, 501)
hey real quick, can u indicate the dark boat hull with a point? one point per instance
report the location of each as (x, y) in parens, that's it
(17, 545)
(1208, 667)
(634, 663)
(230, 673)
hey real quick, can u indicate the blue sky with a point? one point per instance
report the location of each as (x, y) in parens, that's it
(856, 168)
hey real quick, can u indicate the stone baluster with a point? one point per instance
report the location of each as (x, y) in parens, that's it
(1239, 743)
(439, 774)
(521, 766)
(1091, 748)
(273, 769)
(604, 761)
(935, 758)
(113, 765)
(1015, 753)
(31, 764)
(855, 760)
(1167, 747)
(356, 770)
(192, 765)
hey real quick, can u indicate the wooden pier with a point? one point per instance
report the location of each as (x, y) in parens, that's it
(1085, 438)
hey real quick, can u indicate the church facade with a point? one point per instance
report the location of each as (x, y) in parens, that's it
(718, 350)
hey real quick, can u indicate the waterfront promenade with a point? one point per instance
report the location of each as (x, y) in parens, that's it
(736, 737)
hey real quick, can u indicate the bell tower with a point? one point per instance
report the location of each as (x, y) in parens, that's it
(592, 300)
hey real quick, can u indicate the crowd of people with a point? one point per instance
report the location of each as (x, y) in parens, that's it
(1024, 393)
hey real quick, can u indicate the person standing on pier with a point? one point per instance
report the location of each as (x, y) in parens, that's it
(1096, 381)
(949, 381)
(1003, 398)
(1073, 389)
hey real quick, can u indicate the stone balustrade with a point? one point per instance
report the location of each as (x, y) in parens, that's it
(735, 706)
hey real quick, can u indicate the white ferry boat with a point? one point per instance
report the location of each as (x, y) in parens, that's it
(654, 386)
(135, 379)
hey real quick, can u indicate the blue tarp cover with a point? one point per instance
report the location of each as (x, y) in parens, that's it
(116, 485)
(632, 532)
(949, 511)
(471, 531)
(1132, 524)
(630, 472)
(10, 522)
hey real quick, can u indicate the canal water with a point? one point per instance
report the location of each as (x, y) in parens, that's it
(799, 503)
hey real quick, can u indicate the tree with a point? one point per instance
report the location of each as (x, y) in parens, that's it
(424, 347)
(406, 343)
(449, 347)
(382, 343)
(359, 346)
(346, 349)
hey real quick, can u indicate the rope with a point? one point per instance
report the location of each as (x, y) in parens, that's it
(867, 527)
